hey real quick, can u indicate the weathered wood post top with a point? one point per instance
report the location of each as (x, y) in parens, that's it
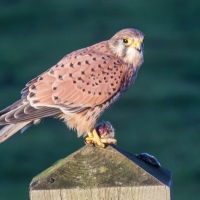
(92, 173)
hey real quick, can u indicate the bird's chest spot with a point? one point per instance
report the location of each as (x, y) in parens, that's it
(128, 79)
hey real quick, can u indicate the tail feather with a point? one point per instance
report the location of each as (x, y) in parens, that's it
(10, 130)
(13, 106)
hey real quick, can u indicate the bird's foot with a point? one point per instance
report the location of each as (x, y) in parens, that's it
(102, 134)
(93, 138)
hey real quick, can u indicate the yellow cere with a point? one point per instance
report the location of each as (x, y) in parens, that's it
(136, 44)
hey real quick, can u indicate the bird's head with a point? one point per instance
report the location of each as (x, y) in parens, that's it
(128, 44)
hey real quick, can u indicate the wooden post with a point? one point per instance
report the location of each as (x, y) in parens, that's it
(92, 173)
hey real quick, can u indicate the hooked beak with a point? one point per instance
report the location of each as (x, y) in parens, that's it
(137, 45)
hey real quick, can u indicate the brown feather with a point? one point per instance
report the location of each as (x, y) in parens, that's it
(11, 129)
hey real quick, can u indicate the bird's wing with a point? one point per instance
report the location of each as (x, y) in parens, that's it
(80, 80)
(22, 111)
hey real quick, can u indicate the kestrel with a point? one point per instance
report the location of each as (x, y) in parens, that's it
(79, 88)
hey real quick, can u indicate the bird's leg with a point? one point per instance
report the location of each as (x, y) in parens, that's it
(94, 138)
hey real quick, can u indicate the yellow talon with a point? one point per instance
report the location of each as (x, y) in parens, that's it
(94, 138)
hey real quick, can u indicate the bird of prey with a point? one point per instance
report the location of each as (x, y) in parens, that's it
(79, 88)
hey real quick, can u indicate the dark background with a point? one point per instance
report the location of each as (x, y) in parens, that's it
(159, 114)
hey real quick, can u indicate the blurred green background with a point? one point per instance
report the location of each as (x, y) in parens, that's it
(160, 114)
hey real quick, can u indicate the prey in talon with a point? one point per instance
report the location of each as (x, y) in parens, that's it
(105, 134)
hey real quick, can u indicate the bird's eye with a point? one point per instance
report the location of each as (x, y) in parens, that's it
(126, 41)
